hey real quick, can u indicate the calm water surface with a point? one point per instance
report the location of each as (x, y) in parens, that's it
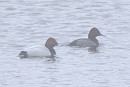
(25, 23)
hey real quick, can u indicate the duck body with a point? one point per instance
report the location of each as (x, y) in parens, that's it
(83, 42)
(36, 51)
(46, 50)
(91, 41)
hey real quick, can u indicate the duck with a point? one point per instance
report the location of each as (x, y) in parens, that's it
(46, 50)
(91, 41)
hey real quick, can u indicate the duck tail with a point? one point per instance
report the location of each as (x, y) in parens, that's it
(23, 54)
(73, 43)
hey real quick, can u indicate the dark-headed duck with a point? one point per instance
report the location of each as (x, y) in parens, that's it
(91, 41)
(40, 51)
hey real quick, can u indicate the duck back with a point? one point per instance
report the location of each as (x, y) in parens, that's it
(83, 42)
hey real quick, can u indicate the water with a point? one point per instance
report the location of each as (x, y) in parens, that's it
(25, 23)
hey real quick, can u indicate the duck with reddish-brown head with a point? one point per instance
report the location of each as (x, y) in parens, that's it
(91, 41)
(46, 50)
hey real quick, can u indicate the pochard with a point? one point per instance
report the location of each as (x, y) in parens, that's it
(46, 50)
(91, 41)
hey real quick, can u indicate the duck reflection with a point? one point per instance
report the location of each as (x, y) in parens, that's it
(93, 49)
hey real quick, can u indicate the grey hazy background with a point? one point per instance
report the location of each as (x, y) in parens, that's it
(25, 23)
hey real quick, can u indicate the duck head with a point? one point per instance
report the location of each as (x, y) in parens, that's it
(94, 32)
(51, 42)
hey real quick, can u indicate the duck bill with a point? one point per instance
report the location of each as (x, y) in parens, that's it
(56, 44)
(102, 35)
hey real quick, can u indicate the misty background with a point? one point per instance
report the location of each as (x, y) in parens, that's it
(25, 23)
